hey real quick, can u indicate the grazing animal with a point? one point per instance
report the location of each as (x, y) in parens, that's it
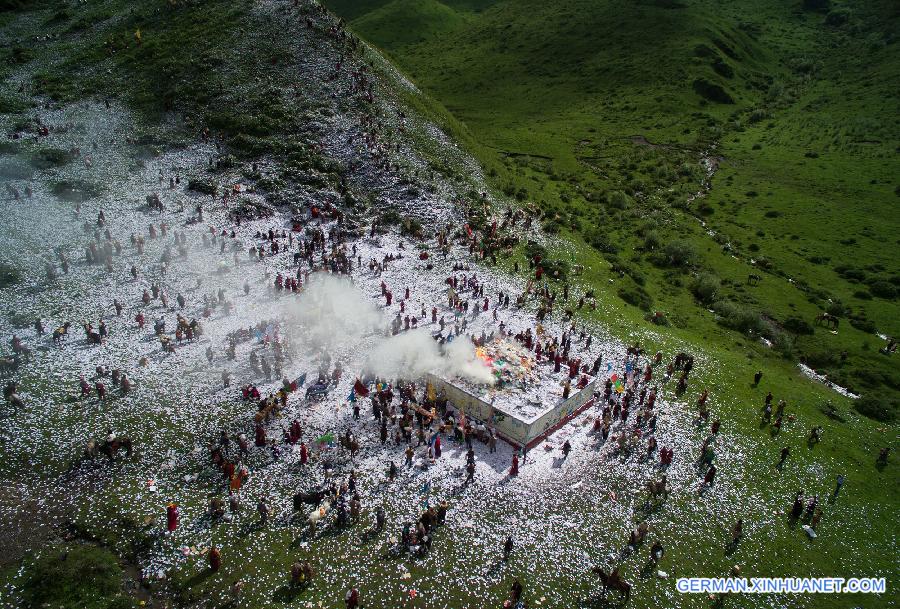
(828, 320)
(613, 581)
(110, 448)
(60, 332)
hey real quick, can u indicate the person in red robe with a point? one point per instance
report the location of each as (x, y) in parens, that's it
(304, 454)
(172, 517)
(260, 435)
(352, 598)
(215, 558)
(514, 470)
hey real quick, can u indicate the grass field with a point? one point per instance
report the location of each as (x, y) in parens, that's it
(606, 119)
(570, 104)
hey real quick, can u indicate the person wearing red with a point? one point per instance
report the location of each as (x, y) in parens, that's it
(260, 435)
(172, 517)
(352, 598)
(215, 559)
(514, 470)
(304, 454)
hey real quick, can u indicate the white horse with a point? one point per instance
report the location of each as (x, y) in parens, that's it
(318, 514)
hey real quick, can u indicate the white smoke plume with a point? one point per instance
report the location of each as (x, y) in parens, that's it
(411, 354)
(332, 315)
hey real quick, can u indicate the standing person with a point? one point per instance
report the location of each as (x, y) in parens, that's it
(492, 443)
(409, 456)
(784, 455)
(566, 448)
(215, 559)
(172, 514)
(507, 548)
(304, 453)
(839, 485)
(656, 552)
(470, 469)
(514, 470)
(737, 531)
(437, 447)
(351, 599)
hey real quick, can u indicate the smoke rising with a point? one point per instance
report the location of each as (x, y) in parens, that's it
(332, 314)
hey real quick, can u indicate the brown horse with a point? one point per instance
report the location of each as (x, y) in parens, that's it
(828, 319)
(109, 448)
(613, 581)
(61, 331)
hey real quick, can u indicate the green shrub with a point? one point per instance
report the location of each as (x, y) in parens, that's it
(797, 325)
(712, 92)
(9, 276)
(879, 408)
(863, 325)
(738, 317)
(73, 576)
(836, 308)
(679, 253)
(636, 296)
(837, 17)
(816, 5)
(618, 199)
(207, 187)
(75, 190)
(705, 287)
(883, 289)
(49, 158)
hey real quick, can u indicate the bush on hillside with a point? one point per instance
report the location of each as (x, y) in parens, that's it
(207, 187)
(797, 325)
(9, 276)
(678, 253)
(73, 576)
(837, 17)
(738, 317)
(883, 289)
(636, 296)
(618, 199)
(706, 287)
(712, 92)
(879, 408)
(816, 5)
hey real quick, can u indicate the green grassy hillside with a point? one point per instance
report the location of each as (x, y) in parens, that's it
(608, 116)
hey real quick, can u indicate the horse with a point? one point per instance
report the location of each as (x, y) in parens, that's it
(828, 319)
(657, 488)
(753, 279)
(108, 448)
(318, 514)
(60, 332)
(613, 581)
(351, 444)
(310, 498)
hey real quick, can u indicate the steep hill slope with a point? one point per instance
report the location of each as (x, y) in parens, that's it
(612, 117)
